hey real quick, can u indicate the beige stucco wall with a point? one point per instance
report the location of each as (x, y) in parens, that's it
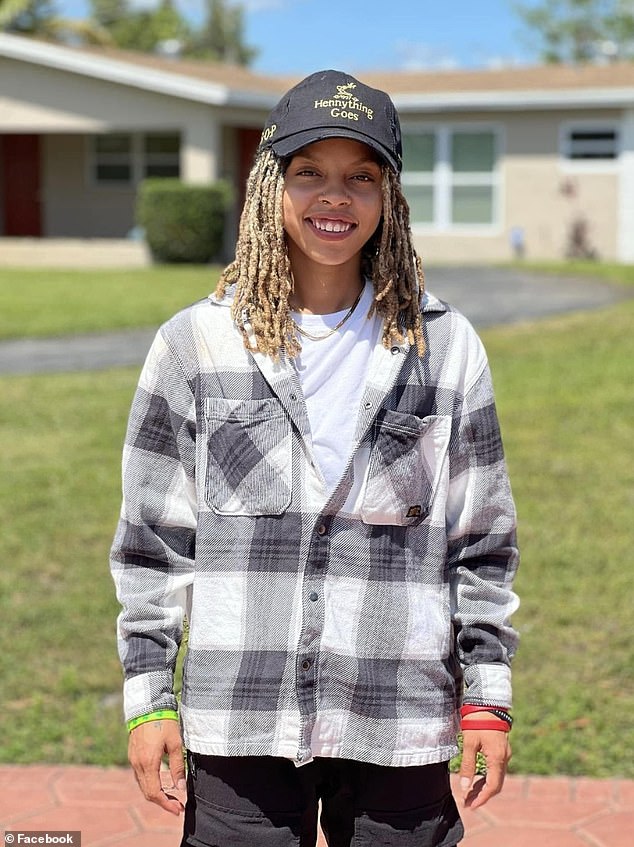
(73, 206)
(546, 194)
(626, 189)
(539, 192)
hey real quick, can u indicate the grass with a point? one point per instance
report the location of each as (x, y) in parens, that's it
(564, 389)
(61, 439)
(56, 302)
(565, 402)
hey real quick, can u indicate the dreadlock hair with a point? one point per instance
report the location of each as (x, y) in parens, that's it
(261, 270)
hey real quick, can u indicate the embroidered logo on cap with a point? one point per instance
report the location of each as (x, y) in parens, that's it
(268, 133)
(344, 104)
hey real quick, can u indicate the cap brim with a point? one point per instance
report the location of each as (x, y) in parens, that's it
(292, 143)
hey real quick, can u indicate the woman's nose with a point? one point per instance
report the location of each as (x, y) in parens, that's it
(335, 193)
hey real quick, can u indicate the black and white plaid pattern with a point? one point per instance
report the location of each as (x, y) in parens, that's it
(349, 625)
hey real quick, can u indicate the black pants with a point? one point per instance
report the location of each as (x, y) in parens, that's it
(255, 801)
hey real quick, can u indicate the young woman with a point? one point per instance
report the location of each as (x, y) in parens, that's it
(314, 478)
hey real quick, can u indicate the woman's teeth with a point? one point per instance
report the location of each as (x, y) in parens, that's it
(332, 226)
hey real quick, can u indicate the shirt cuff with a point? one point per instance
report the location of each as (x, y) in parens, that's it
(488, 685)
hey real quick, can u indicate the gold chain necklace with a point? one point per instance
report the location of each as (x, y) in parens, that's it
(335, 328)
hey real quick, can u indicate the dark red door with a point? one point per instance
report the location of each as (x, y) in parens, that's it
(248, 140)
(21, 171)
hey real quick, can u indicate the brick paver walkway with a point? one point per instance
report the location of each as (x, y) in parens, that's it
(107, 807)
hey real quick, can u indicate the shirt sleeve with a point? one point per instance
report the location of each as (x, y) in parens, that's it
(482, 548)
(153, 550)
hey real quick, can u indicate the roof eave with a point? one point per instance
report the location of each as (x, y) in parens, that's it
(117, 71)
(595, 98)
(203, 91)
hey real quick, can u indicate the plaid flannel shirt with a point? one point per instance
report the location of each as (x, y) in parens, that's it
(349, 625)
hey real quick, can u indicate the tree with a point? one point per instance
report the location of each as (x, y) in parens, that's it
(142, 29)
(40, 18)
(119, 22)
(27, 16)
(222, 35)
(581, 30)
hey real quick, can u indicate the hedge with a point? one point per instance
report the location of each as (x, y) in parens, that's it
(183, 223)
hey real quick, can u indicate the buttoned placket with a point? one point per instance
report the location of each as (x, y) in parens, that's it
(313, 610)
(288, 389)
(312, 629)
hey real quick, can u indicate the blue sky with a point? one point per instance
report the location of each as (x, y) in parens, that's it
(300, 36)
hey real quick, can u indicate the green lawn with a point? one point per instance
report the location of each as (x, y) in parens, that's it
(564, 389)
(56, 302)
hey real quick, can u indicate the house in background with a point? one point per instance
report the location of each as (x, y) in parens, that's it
(537, 160)
(80, 129)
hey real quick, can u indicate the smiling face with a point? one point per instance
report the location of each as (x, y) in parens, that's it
(333, 201)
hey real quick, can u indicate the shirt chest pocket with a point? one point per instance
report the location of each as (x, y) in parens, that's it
(248, 467)
(405, 468)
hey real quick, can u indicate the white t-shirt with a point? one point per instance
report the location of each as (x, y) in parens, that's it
(332, 372)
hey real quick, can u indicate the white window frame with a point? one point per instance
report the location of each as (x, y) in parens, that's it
(568, 164)
(138, 159)
(443, 179)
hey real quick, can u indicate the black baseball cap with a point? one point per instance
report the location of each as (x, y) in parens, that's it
(333, 104)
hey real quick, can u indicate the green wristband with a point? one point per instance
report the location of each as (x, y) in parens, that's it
(162, 714)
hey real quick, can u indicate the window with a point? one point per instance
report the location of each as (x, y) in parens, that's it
(584, 143)
(472, 165)
(126, 159)
(162, 155)
(113, 158)
(450, 176)
(419, 158)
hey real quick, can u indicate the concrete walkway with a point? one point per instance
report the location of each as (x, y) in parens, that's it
(68, 253)
(106, 806)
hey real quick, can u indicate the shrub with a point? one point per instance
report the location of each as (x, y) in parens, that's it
(183, 223)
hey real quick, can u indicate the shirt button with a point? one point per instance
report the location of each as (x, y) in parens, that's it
(395, 351)
(313, 596)
(293, 397)
(305, 665)
(321, 529)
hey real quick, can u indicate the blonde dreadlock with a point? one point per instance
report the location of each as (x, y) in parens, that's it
(261, 270)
